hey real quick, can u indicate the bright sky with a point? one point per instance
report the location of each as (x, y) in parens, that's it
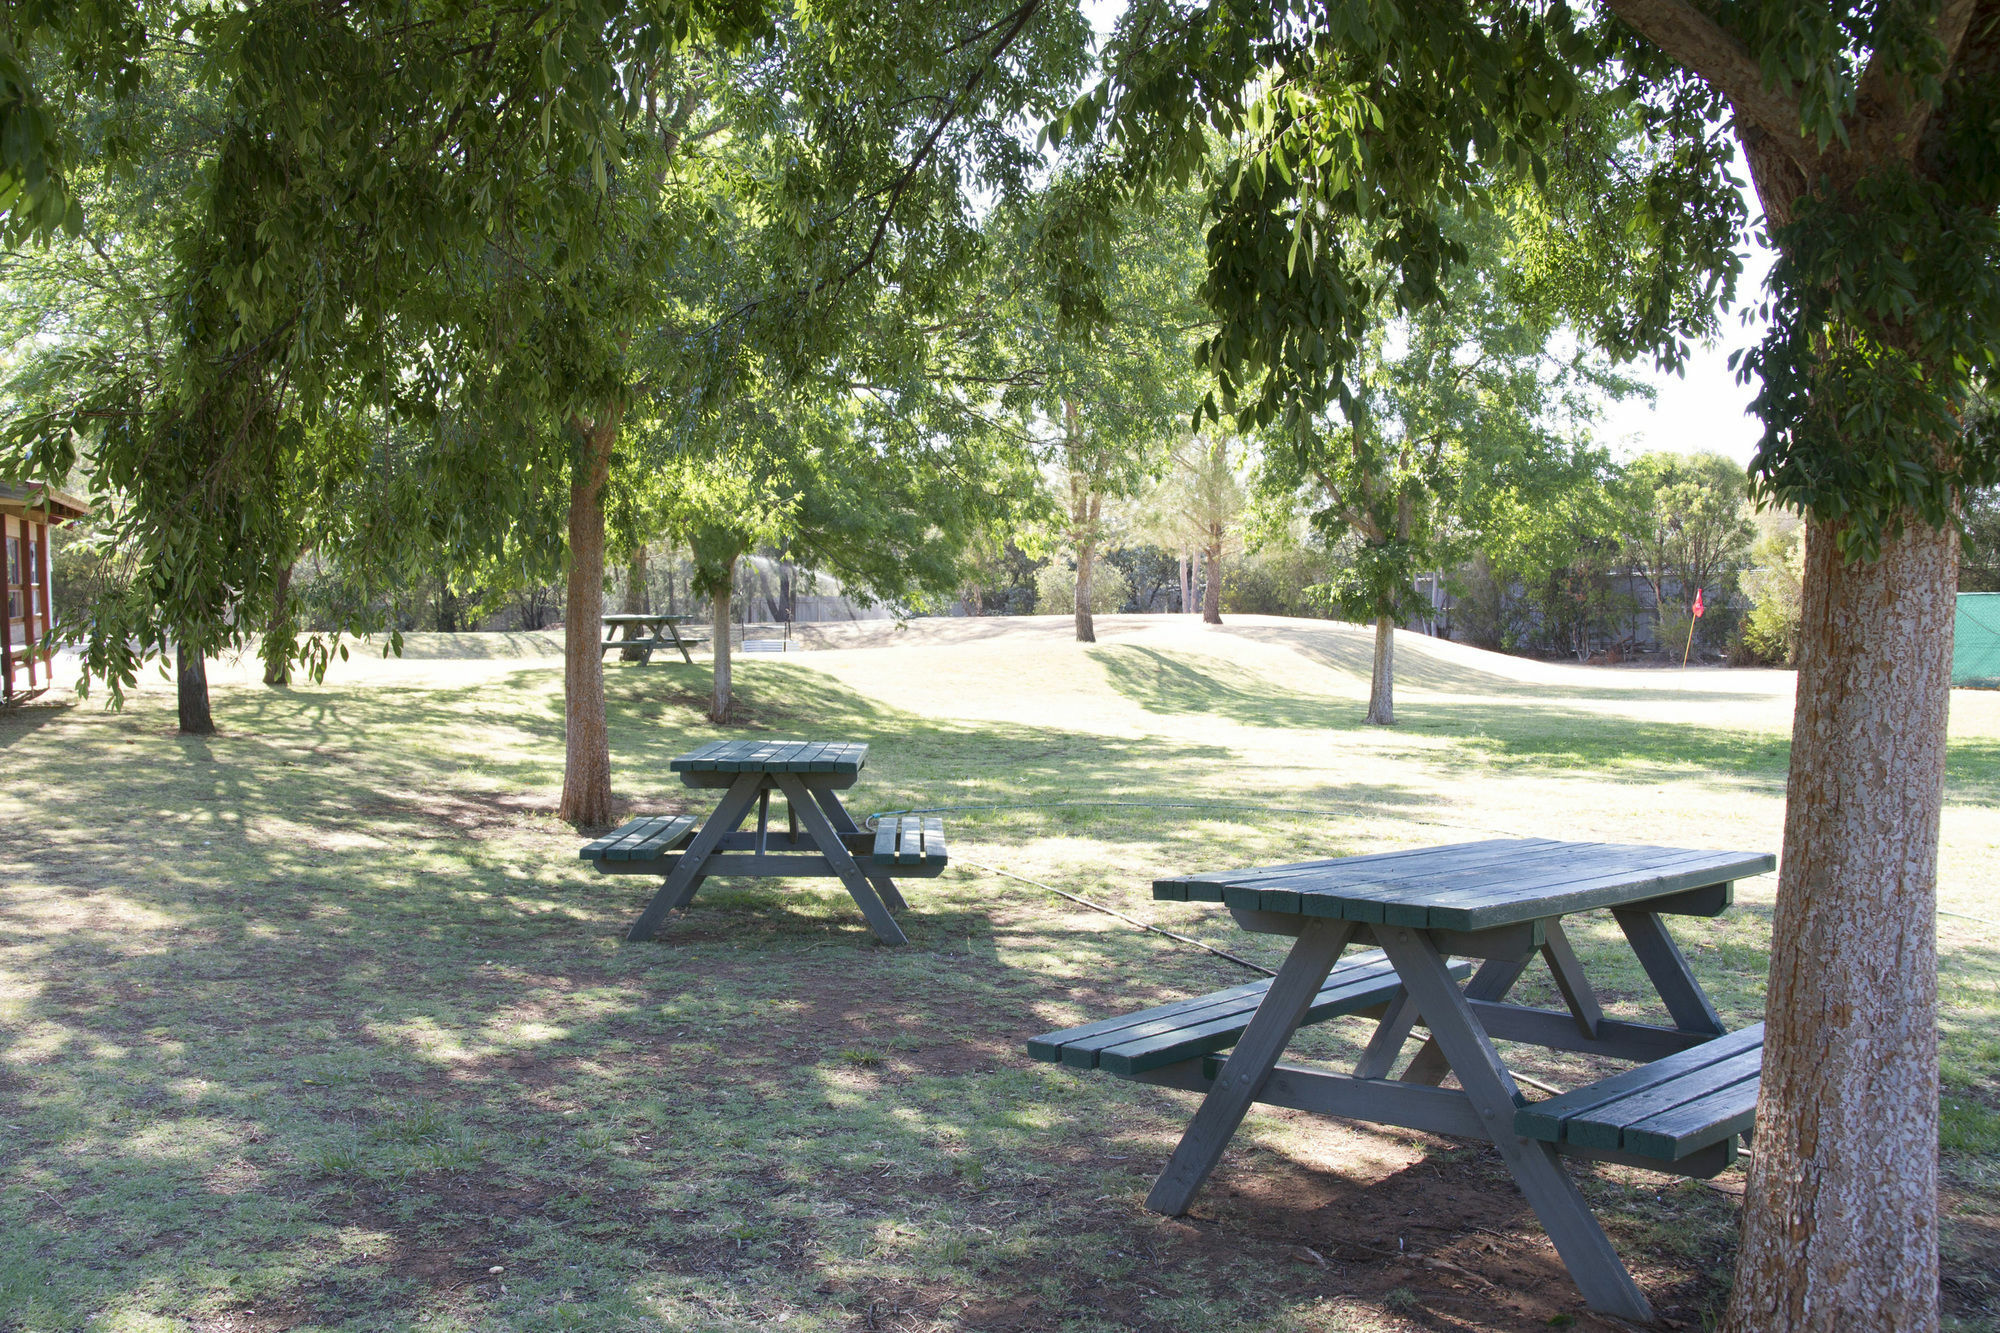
(1704, 409)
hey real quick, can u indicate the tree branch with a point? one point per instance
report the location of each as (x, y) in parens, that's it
(1893, 118)
(1701, 45)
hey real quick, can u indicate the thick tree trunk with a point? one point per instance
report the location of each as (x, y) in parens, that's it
(281, 631)
(1840, 1216)
(586, 794)
(635, 599)
(1187, 585)
(191, 682)
(1382, 680)
(718, 709)
(1086, 568)
(1211, 602)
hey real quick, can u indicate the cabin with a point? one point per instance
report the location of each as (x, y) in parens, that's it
(27, 511)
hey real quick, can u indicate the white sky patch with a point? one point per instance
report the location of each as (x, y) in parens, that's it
(1705, 409)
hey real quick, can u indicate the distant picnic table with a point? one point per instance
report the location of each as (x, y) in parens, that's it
(1501, 902)
(647, 632)
(808, 774)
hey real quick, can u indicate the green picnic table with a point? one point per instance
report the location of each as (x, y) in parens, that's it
(1500, 902)
(809, 775)
(648, 632)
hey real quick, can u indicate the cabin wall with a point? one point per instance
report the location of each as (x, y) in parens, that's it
(24, 563)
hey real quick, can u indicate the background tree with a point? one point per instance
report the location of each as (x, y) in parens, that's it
(1688, 527)
(1470, 392)
(1199, 507)
(1097, 344)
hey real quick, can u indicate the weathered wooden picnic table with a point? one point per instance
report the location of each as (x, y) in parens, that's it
(1501, 902)
(808, 774)
(647, 632)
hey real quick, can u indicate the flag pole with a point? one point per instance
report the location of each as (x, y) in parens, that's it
(1690, 645)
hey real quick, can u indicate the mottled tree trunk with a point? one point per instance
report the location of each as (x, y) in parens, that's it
(586, 794)
(1840, 1217)
(1086, 569)
(1211, 601)
(1085, 508)
(635, 599)
(1382, 680)
(719, 598)
(281, 631)
(191, 685)
(1187, 584)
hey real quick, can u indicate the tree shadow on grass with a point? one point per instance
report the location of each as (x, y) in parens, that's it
(1350, 650)
(1528, 733)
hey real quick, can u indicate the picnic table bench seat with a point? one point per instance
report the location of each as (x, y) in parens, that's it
(1665, 1111)
(1150, 1039)
(910, 840)
(647, 838)
(911, 846)
(654, 641)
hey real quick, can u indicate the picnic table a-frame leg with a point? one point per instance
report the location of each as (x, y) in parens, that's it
(1284, 1006)
(680, 643)
(679, 888)
(836, 815)
(1598, 1271)
(820, 829)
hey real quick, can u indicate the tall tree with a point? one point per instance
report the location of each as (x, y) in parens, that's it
(1688, 524)
(1100, 322)
(1198, 507)
(1870, 137)
(1467, 393)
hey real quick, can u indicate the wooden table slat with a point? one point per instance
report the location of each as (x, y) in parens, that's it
(1472, 886)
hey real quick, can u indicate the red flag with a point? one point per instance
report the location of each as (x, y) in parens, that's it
(1697, 603)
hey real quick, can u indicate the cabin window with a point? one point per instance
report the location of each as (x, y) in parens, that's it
(14, 579)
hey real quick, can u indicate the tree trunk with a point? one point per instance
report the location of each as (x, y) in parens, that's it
(586, 794)
(1086, 568)
(1382, 680)
(718, 710)
(635, 599)
(191, 681)
(1211, 601)
(1840, 1215)
(281, 632)
(1187, 587)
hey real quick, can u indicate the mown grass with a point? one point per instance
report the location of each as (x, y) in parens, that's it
(319, 1023)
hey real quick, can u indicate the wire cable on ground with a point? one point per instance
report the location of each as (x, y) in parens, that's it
(871, 821)
(1112, 911)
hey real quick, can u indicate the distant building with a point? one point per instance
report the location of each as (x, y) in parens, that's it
(27, 511)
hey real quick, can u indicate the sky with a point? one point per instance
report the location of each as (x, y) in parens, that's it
(1704, 409)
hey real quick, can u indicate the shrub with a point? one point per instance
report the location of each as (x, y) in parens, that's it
(1055, 589)
(1775, 585)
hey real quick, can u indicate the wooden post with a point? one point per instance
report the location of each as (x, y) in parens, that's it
(28, 598)
(48, 597)
(6, 618)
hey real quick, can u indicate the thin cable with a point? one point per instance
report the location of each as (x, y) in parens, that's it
(1112, 911)
(1238, 806)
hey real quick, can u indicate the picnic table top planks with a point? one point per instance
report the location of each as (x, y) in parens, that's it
(1472, 885)
(774, 757)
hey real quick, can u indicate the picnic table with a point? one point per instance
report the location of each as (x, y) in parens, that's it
(809, 775)
(1501, 902)
(648, 632)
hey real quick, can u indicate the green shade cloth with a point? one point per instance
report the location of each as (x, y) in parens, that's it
(1975, 649)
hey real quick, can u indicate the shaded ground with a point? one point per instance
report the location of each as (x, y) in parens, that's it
(319, 1022)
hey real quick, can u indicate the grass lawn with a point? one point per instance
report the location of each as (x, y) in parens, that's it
(320, 1023)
